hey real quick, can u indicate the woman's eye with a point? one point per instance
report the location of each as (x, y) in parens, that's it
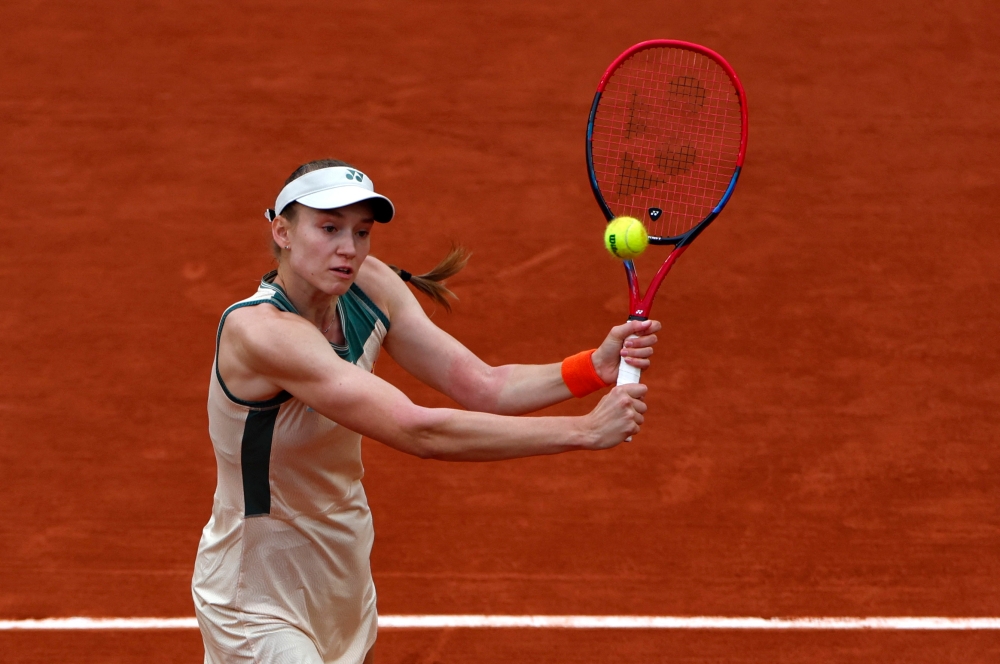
(363, 233)
(330, 229)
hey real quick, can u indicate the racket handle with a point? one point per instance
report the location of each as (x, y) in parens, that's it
(627, 374)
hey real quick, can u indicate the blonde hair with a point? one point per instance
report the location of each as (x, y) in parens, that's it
(431, 284)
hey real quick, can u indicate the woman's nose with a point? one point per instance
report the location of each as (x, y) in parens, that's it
(347, 248)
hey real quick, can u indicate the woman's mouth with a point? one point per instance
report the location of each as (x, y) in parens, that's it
(344, 271)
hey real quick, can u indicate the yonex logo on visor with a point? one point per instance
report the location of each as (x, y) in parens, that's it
(330, 188)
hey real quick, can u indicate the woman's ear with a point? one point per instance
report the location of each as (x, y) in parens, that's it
(280, 229)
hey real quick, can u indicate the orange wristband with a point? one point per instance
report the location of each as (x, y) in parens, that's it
(579, 374)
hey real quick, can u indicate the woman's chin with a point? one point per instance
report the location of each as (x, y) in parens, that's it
(336, 284)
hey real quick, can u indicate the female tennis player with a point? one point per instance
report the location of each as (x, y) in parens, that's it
(282, 573)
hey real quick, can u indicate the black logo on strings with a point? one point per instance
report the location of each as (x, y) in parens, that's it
(654, 213)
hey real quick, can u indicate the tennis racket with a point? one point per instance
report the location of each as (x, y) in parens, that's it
(665, 144)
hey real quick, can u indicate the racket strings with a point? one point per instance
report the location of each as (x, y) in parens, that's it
(666, 136)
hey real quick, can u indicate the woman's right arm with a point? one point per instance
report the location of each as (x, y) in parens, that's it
(287, 353)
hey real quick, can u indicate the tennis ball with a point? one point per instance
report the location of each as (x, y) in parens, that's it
(625, 237)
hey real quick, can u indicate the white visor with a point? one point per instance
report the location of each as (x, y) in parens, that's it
(333, 187)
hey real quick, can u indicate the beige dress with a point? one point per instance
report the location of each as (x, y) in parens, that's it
(282, 573)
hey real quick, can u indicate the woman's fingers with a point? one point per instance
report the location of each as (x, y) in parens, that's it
(634, 390)
(641, 342)
(641, 363)
(620, 414)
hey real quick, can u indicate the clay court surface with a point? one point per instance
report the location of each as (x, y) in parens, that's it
(824, 408)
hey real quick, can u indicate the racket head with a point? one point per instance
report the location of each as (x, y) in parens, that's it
(666, 138)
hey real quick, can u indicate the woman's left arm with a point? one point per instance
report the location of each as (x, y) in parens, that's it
(439, 360)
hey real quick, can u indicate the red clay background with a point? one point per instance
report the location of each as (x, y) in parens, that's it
(824, 408)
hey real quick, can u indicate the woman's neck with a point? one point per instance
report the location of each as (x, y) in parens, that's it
(314, 305)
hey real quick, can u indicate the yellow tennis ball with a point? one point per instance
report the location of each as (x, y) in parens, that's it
(625, 237)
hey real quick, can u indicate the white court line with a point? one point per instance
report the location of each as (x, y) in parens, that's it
(555, 622)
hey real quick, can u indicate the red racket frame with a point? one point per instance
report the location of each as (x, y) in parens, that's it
(639, 306)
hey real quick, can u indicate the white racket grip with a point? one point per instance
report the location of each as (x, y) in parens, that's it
(627, 374)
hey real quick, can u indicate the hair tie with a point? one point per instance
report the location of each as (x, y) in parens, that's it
(404, 275)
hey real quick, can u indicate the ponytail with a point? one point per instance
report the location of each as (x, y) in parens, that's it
(432, 284)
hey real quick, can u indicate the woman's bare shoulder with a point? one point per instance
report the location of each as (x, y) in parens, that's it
(257, 323)
(262, 311)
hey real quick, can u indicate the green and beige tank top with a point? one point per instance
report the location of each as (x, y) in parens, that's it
(291, 532)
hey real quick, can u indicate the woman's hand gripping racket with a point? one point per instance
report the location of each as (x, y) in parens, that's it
(665, 144)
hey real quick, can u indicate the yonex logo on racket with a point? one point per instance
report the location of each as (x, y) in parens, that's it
(355, 175)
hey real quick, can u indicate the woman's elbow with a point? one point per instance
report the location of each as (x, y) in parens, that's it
(418, 433)
(479, 390)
